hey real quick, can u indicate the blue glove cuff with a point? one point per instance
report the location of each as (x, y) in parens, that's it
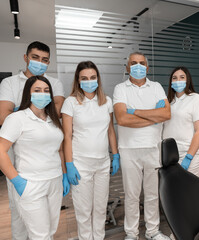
(189, 156)
(69, 164)
(16, 180)
(116, 156)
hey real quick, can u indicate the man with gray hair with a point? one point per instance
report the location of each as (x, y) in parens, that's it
(140, 107)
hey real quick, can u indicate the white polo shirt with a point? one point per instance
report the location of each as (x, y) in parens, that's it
(36, 145)
(11, 88)
(184, 112)
(90, 126)
(142, 98)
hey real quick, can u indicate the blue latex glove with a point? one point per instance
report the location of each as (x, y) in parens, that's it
(160, 104)
(66, 185)
(115, 163)
(130, 110)
(72, 173)
(186, 161)
(19, 184)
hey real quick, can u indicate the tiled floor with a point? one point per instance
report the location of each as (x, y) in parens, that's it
(67, 226)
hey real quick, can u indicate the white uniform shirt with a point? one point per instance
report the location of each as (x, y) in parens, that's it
(36, 145)
(142, 98)
(184, 112)
(90, 126)
(11, 88)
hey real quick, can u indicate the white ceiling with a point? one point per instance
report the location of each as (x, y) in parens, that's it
(36, 18)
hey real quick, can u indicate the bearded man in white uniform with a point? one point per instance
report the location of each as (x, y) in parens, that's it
(140, 106)
(37, 59)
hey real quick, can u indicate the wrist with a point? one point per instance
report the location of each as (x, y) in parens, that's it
(116, 156)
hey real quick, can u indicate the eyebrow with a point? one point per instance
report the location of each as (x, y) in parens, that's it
(40, 87)
(35, 55)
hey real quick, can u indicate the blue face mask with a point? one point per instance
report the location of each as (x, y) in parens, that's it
(89, 86)
(178, 86)
(40, 100)
(138, 71)
(37, 68)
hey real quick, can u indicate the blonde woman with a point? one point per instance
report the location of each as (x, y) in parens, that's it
(88, 129)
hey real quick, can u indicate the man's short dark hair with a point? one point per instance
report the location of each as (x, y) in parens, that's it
(38, 45)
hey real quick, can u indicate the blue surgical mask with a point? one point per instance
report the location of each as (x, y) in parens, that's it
(89, 86)
(138, 71)
(178, 86)
(40, 100)
(37, 68)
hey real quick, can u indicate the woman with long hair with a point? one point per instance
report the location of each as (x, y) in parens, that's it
(88, 129)
(184, 123)
(39, 174)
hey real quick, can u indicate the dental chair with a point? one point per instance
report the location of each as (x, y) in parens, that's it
(179, 193)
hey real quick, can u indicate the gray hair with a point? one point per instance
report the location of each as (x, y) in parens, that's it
(137, 53)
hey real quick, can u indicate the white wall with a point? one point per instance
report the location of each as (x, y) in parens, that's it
(11, 58)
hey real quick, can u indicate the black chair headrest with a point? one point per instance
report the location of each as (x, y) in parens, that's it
(169, 152)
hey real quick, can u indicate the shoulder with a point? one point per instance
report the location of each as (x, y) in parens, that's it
(52, 80)
(18, 116)
(10, 79)
(194, 96)
(109, 100)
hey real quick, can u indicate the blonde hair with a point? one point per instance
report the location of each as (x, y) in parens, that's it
(78, 92)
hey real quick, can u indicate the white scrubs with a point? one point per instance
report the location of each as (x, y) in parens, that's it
(91, 158)
(184, 112)
(140, 156)
(11, 89)
(36, 149)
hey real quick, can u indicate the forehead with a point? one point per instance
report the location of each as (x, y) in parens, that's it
(40, 84)
(179, 72)
(39, 53)
(137, 58)
(87, 72)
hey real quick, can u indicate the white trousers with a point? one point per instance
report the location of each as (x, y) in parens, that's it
(18, 228)
(138, 167)
(39, 207)
(194, 166)
(90, 197)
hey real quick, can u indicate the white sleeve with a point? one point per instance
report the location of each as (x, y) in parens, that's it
(196, 109)
(109, 104)
(6, 93)
(58, 89)
(12, 128)
(119, 95)
(160, 93)
(67, 107)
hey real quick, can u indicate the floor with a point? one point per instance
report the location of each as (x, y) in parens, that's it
(67, 229)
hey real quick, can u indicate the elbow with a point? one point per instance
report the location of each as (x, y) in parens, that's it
(120, 121)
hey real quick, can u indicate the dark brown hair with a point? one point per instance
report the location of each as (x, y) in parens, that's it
(189, 86)
(50, 109)
(38, 45)
(78, 92)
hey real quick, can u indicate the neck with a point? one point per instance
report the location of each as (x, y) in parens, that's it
(40, 113)
(89, 95)
(179, 94)
(138, 82)
(28, 74)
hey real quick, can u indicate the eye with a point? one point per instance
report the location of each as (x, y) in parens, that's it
(45, 61)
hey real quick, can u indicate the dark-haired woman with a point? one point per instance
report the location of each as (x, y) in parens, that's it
(88, 129)
(39, 174)
(184, 123)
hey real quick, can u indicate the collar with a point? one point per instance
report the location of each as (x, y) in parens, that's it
(88, 100)
(31, 115)
(147, 83)
(180, 98)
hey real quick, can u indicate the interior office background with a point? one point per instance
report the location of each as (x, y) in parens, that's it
(105, 32)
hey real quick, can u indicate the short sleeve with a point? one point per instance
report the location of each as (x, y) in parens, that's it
(6, 91)
(57, 86)
(119, 95)
(109, 104)
(196, 108)
(160, 93)
(12, 128)
(68, 107)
